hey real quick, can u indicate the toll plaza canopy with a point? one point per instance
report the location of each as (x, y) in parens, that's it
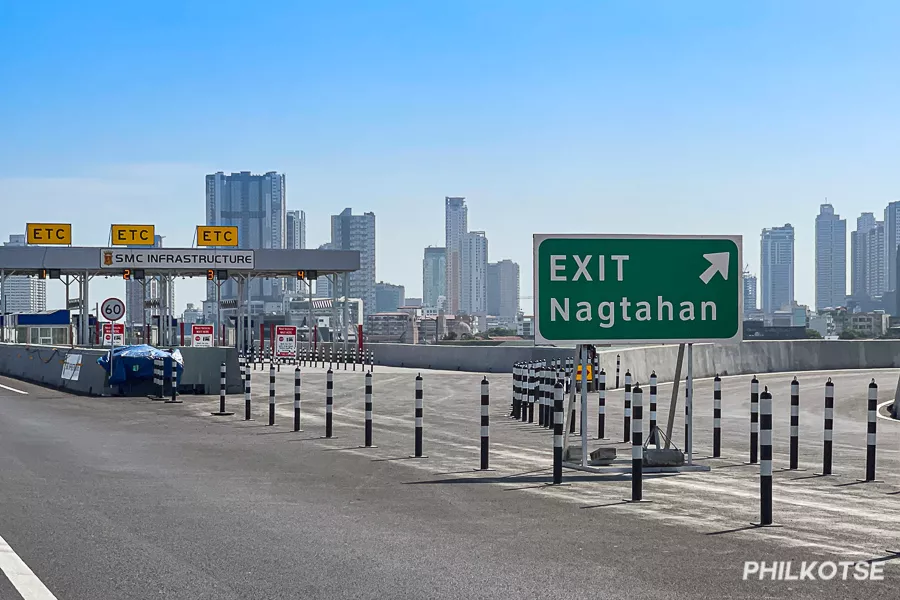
(35, 260)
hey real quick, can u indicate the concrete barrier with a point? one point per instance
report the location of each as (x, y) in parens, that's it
(709, 359)
(44, 365)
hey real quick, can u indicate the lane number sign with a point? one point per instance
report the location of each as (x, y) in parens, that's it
(112, 309)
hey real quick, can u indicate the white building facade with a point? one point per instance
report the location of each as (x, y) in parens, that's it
(456, 224)
(474, 255)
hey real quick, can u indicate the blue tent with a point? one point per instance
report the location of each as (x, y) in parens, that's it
(134, 363)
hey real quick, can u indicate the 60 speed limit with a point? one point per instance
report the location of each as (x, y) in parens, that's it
(112, 309)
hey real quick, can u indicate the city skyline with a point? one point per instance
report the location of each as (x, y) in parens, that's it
(864, 262)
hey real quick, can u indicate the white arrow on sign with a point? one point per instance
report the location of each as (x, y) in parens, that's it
(718, 263)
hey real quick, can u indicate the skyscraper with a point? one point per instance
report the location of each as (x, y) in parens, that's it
(749, 284)
(295, 239)
(357, 232)
(255, 204)
(473, 260)
(858, 263)
(777, 268)
(873, 243)
(23, 294)
(503, 289)
(455, 227)
(891, 243)
(434, 276)
(831, 259)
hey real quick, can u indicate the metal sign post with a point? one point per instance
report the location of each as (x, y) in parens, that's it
(113, 309)
(584, 405)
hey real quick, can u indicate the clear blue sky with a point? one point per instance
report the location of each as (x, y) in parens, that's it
(576, 116)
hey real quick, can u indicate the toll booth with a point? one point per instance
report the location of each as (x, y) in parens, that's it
(47, 328)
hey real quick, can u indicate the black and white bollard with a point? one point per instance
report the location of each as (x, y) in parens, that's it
(297, 387)
(627, 429)
(829, 427)
(637, 444)
(557, 433)
(618, 366)
(717, 416)
(485, 423)
(870, 437)
(795, 424)
(601, 405)
(532, 391)
(247, 396)
(368, 432)
(652, 436)
(174, 399)
(222, 383)
(271, 394)
(516, 411)
(329, 403)
(159, 372)
(754, 419)
(542, 400)
(524, 390)
(420, 409)
(765, 463)
(596, 370)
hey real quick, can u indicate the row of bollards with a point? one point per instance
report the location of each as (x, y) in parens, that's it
(544, 384)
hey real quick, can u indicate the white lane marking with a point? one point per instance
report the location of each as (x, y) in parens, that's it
(22, 578)
(6, 387)
(881, 416)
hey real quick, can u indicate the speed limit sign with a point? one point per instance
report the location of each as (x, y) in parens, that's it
(112, 309)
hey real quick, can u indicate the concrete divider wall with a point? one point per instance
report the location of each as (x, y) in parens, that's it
(709, 359)
(43, 365)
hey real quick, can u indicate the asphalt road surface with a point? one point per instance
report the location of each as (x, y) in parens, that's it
(108, 498)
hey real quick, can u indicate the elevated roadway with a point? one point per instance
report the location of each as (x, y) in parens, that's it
(130, 499)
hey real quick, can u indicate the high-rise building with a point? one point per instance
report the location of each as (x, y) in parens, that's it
(295, 239)
(255, 204)
(434, 276)
(503, 289)
(23, 294)
(749, 285)
(473, 261)
(456, 225)
(858, 259)
(777, 268)
(357, 232)
(389, 297)
(891, 243)
(873, 244)
(831, 259)
(136, 292)
(295, 230)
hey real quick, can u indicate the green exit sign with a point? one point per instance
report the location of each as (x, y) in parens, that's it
(636, 289)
